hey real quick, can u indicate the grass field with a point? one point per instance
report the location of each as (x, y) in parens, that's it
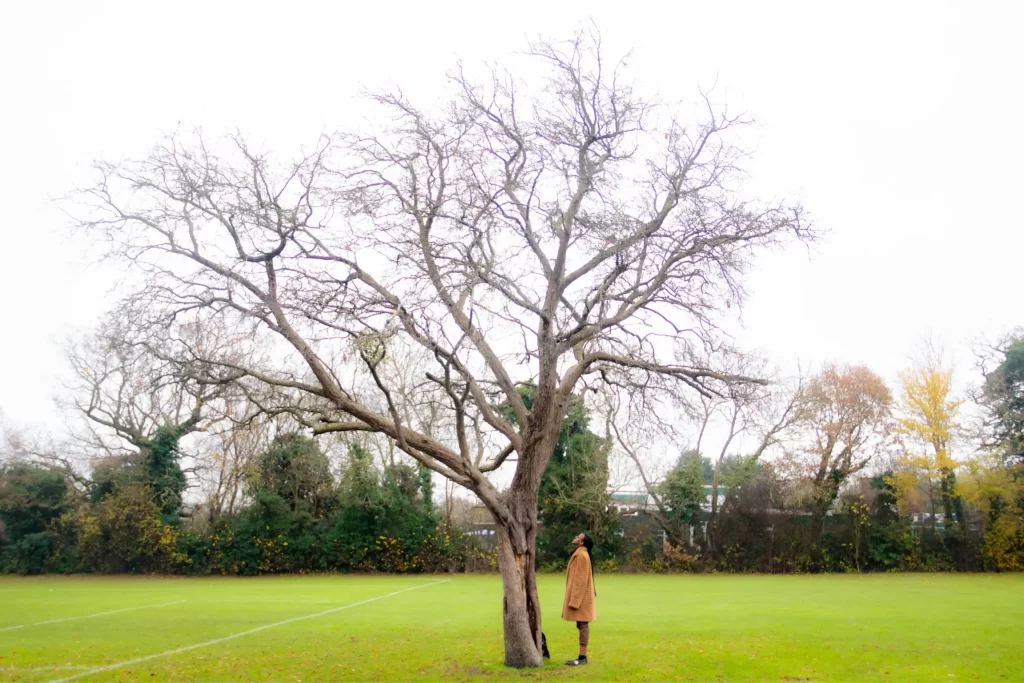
(702, 628)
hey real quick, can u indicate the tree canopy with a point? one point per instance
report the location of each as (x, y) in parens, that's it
(566, 234)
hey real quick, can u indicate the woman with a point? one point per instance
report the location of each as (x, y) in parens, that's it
(580, 594)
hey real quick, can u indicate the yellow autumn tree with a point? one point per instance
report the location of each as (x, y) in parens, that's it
(927, 421)
(997, 490)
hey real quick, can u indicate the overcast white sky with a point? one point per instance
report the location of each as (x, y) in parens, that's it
(898, 124)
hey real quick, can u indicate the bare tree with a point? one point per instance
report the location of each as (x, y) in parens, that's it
(562, 238)
(45, 451)
(135, 406)
(228, 458)
(661, 511)
(125, 392)
(741, 411)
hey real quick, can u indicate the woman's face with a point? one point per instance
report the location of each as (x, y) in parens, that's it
(578, 541)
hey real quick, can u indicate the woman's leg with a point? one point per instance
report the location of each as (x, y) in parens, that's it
(584, 629)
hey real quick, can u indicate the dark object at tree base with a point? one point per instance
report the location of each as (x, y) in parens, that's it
(544, 646)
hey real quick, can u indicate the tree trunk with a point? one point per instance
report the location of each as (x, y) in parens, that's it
(947, 486)
(521, 605)
(711, 536)
(712, 533)
(952, 502)
(516, 526)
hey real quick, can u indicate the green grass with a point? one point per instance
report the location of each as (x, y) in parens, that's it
(702, 628)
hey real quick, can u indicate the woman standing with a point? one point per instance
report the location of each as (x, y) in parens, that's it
(580, 594)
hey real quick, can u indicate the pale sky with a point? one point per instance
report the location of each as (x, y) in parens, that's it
(897, 124)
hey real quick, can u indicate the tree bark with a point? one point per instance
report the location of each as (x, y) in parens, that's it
(516, 527)
(521, 616)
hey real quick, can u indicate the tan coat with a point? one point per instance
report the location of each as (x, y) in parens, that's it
(579, 589)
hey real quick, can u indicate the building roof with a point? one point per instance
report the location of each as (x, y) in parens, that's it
(639, 500)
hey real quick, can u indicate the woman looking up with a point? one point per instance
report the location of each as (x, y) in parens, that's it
(580, 594)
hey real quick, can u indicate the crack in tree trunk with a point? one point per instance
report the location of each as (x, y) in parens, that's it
(521, 606)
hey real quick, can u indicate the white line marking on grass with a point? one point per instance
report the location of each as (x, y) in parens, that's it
(276, 602)
(138, 660)
(54, 667)
(90, 616)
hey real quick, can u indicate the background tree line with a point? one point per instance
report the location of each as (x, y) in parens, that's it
(843, 475)
(860, 478)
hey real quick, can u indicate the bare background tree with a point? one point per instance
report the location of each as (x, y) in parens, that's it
(227, 460)
(744, 410)
(125, 393)
(562, 237)
(748, 419)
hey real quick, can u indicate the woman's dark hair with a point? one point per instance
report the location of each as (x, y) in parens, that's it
(588, 543)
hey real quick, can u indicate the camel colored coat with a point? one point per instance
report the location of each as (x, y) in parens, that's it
(579, 589)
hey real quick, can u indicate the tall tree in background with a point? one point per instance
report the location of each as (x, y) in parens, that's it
(996, 489)
(362, 500)
(996, 481)
(137, 406)
(1003, 395)
(928, 420)
(842, 421)
(388, 511)
(31, 497)
(554, 235)
(161, 467)
(228, 462)
(296, 469)
(683, 493)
